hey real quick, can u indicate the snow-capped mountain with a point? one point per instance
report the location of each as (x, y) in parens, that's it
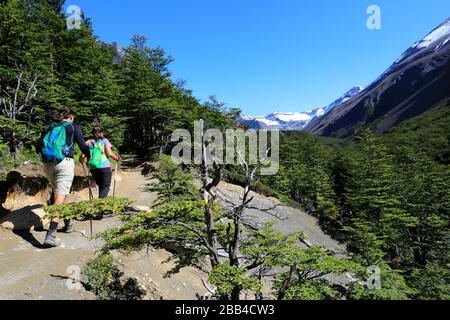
(295, 120)
(415, 83)
(346, 97)
(278, 120)
(437, 34)
(434, 41)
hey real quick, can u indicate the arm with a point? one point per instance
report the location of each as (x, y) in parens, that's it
(79, 139)
(83, 157)
(109, 152)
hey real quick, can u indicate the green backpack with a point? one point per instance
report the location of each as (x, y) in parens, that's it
(97, 156)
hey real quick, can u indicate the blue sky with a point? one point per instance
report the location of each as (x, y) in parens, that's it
(270, 55)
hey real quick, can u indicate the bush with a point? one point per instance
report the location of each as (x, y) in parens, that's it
(9, 161)
(106, 281)
(88, 209)
(227, 278)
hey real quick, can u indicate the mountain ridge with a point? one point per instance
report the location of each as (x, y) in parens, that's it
(295, 120)
(415, 83)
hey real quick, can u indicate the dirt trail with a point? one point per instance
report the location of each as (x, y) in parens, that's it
(30, 272)
(288, 220)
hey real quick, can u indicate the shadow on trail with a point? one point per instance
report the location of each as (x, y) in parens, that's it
(28, 236)
(22, 221)
(71, 279)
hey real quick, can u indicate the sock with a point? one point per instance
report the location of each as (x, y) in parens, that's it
(52, 229)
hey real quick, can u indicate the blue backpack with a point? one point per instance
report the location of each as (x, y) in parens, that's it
(55, 146)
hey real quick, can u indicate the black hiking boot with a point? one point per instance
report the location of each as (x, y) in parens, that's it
(51, 242)
(68, 226)
(98, 217)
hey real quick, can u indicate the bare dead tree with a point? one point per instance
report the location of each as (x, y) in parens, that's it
(211, 292)
(209, 197)
(234, 229)
(210, 176)
(16, 100)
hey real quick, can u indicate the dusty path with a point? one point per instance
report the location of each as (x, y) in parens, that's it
(288, 220)
(30, 272)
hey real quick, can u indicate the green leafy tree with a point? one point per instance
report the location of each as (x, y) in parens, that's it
(230, 279)
(147, 91)
(180, 224)
(392, 286)
(301, 273)
(173, 184)
(420, 234)
(306, 277)
(25, 67)
(87, 72)
(431, 282)
(371, 199)
(199, 229)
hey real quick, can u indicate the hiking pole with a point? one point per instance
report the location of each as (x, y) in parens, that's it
(115, 179)
(91, 195)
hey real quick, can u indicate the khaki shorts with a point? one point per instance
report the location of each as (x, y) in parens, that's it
(61, 176)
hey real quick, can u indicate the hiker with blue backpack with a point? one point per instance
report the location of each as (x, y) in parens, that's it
(57, 150)
(99, 165)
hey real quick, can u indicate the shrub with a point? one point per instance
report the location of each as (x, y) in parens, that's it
(88, 209)
(106, 281)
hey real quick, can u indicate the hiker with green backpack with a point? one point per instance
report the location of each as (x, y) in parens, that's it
(99, 165)
(56, 147)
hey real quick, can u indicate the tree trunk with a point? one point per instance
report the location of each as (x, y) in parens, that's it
(286, 284)
(13, 145)
(212, 237)
(235, 245)
(209, 201)
(419, 252)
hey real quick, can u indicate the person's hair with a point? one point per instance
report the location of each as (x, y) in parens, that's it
(97, 133)
(65, 113)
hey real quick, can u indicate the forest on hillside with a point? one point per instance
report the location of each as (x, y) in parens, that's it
(44, 66)
(387, 197)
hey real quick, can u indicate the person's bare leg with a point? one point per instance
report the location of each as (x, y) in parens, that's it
(68, 223)
(59, 199)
